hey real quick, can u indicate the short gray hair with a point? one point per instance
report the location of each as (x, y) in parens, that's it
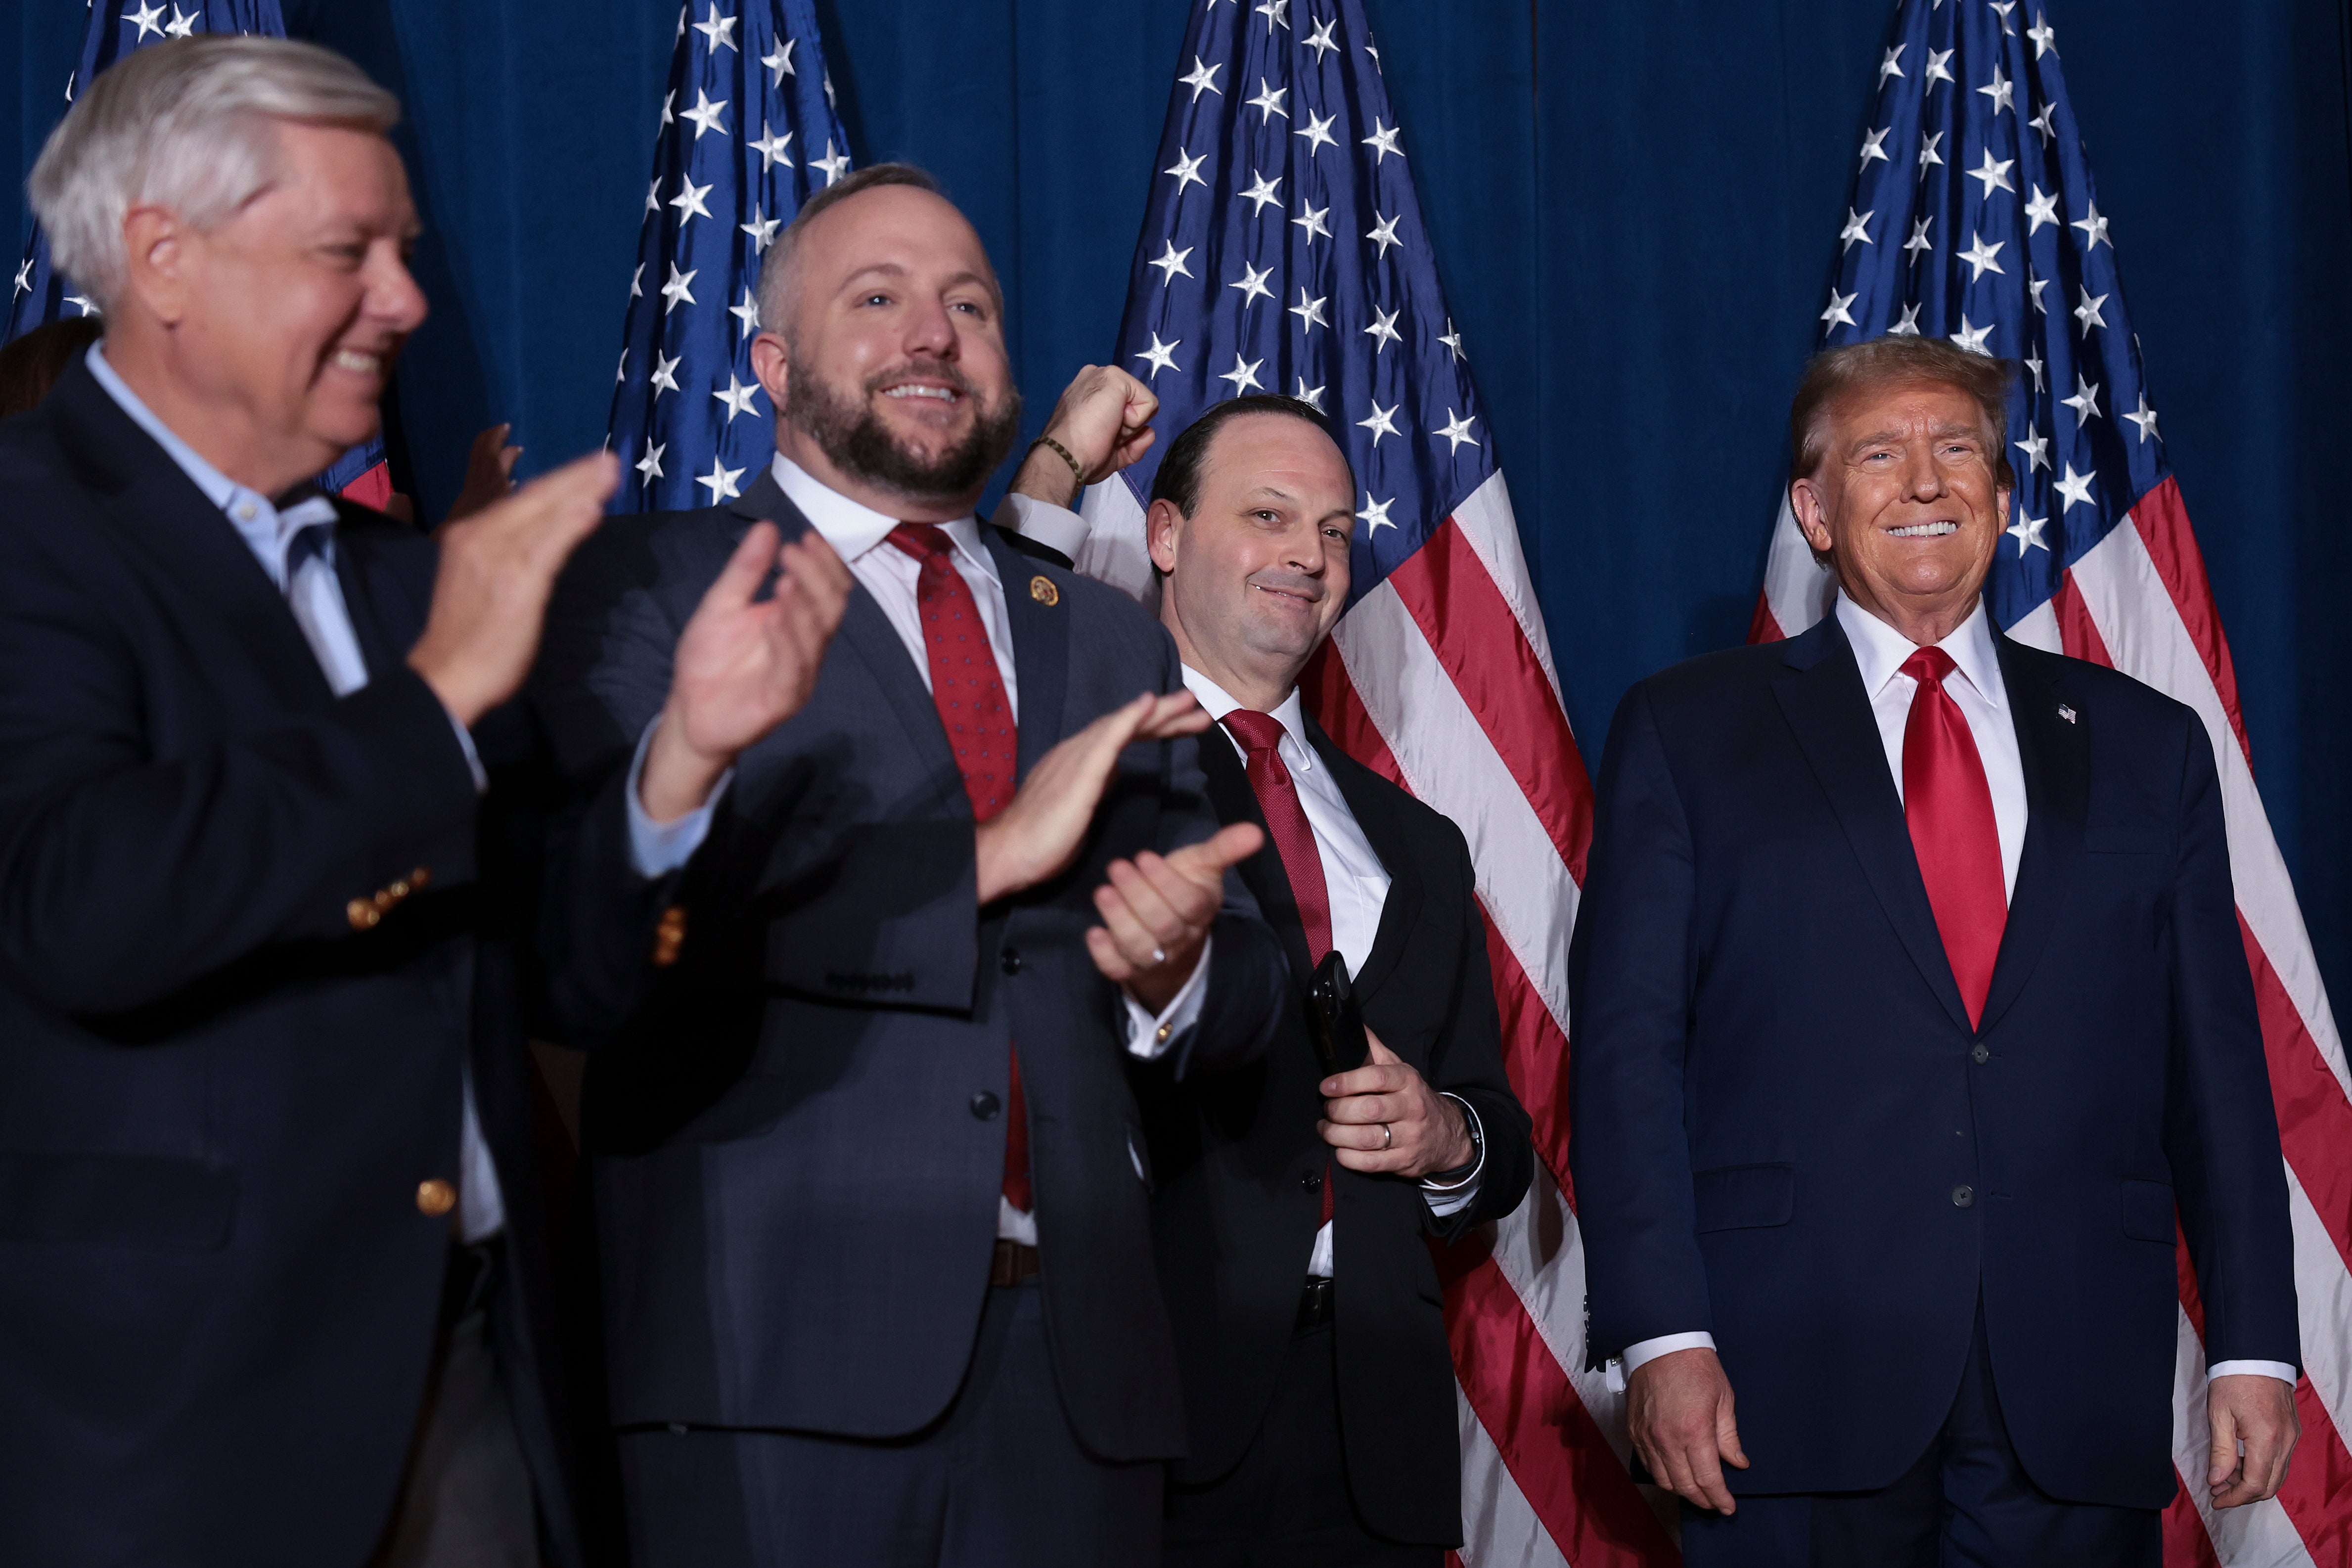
(186, 125)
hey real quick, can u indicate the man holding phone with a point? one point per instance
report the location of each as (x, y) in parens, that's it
(1292, 1196)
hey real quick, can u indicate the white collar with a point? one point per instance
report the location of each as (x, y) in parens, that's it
(853, 528)
(1879, 649)
(1291, 713)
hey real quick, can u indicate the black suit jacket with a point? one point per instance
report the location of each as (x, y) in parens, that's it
(1240, 1166)
(1788, 1133)
(217, 1098)
(797, 1127)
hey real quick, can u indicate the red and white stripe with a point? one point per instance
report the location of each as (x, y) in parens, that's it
(2139, 602)
(1442, 679)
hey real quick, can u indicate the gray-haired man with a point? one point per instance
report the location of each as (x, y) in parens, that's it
(270, 1255)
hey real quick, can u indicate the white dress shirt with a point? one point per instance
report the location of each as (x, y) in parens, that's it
(1359, 888)
(861, 537)
(1976, 688)
(316, 598)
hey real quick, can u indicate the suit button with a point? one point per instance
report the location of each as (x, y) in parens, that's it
(1980, 1056)
(1009, 961)
(1964, 1196)
(985, 1105)
(435, 1198)
(1312, 1181)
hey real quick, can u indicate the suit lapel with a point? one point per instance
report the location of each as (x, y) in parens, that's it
(197, 553)
(2055, 755)
(865, 631)
(1263, 873)
(1041, 646)
(1822, 696)
(1375, 811)
(368, 584)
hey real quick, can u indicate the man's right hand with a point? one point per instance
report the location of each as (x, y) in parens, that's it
(498, 568)
(744, 664)
(1679, 1409)
(1037, 837)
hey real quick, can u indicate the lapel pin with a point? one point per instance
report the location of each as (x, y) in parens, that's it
(2063, 711)
(1042, 590)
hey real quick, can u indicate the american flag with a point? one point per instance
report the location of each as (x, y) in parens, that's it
(41, 293)
(1283, 251)
(1974, 218)
(748, 130)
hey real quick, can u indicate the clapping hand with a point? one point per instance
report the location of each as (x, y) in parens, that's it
(744, 664)
(1157, 910)
(495, 572)
(1037, 834)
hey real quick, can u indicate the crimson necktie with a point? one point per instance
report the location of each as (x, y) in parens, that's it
(1286, 823)
(1949, 806)
(969, 691)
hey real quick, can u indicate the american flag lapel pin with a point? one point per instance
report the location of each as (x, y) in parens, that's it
(2065, 712)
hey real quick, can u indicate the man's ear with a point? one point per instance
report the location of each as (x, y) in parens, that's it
(772, 362)
(1160, 531)
(1805, 500)
(156, 251)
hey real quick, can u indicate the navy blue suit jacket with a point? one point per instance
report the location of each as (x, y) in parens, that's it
(796, 1127)
(1786, 1132)
(218, 1296)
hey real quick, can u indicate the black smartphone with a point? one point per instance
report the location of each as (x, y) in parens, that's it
(1334, 1019)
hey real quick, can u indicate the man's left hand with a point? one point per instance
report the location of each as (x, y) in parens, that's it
(1104, 422)
(1157, 911)
(2259, 1412)
(1384, 1117)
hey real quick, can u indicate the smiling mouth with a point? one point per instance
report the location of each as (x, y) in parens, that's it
(357, 362)
(926, 393)
(1923, 530)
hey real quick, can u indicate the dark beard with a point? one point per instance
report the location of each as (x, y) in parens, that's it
(853, 436)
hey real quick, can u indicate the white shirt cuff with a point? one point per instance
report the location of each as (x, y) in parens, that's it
(473, 758)
(1055, 528)
(1452, 1197)
(1631, 1359)
(1149, 1038)
(2278, 1369)
(658, 848)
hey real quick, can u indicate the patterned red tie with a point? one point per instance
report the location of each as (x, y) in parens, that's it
(1285, 822)
(969, 691)
(1949, 806)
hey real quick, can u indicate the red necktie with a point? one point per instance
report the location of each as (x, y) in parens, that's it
(1949, 806)
(969, 691)
(1294, 841)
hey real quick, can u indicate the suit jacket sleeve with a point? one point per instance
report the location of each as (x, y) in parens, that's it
(602, 675)
(1467, 1060)
(1630, 981)
(2222, 1130)
(126, 877)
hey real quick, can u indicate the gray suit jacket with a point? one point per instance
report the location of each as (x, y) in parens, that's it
(796, 1126)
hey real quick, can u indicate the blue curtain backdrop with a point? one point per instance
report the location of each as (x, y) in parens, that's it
(1635, 208)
